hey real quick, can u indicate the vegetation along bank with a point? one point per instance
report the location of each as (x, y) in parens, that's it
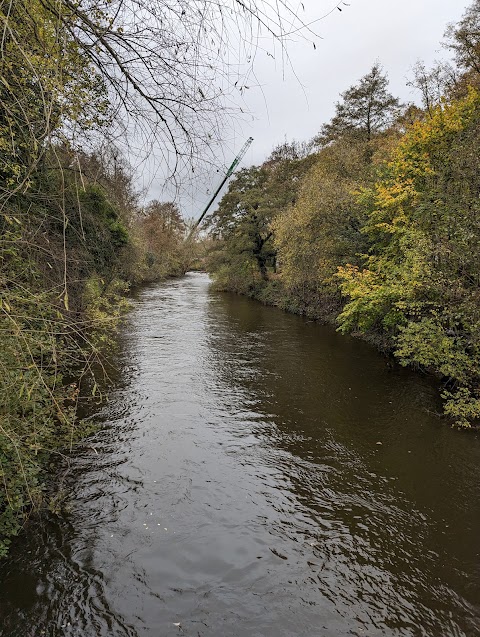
(73, 233)
(374, 225)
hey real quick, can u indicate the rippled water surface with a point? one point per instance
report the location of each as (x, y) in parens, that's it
(239, 488)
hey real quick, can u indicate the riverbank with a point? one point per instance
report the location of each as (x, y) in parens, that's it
(56, 371)
(326, 311)
(375, 233)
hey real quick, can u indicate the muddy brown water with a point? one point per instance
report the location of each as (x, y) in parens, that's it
(238, 488)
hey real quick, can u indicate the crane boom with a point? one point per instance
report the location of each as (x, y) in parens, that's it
(239, 157)
(228, 174)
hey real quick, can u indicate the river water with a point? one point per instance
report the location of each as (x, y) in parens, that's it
(238, 487)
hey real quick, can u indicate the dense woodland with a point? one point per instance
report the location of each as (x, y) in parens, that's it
(83, 83)
(374, 225)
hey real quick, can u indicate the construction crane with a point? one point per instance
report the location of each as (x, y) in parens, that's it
(229, 173)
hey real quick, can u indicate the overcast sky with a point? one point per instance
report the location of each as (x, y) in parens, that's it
(293, 104)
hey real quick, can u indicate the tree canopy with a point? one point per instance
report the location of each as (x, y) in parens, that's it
(242, 221)
(367, 108)
(381, 234)
(156, 72)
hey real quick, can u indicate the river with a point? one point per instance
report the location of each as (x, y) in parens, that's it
(256, 474)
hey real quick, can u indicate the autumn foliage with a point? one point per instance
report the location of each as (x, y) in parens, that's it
(382, 232)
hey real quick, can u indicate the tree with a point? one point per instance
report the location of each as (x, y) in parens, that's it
(420, 281)
(244, 216)
(164, 63)
(464, 39)
(452, 80)
(323, 230)
(161, 230)
(241, 225)
(47, 85)
(433, 84)
(366, 109)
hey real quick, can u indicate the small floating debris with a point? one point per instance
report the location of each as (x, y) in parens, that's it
(379, 443)
(275, 552)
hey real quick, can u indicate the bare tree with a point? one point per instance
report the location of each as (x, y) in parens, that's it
(170, 67)
(464, 39)
(434, 83)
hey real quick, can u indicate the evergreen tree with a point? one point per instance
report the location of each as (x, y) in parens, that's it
(366, 109)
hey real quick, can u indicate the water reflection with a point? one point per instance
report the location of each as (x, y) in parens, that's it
(238, 489)
(386, 518)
